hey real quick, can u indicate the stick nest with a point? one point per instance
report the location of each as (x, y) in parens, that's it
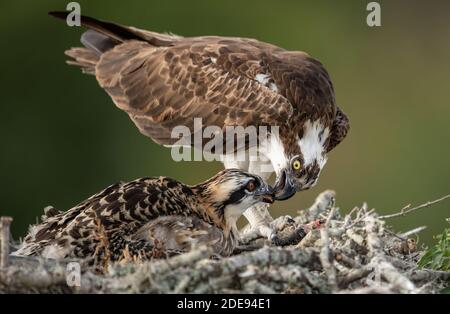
(355, 253)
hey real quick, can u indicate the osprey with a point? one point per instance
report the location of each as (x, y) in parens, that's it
(162, 81)
(134, 218)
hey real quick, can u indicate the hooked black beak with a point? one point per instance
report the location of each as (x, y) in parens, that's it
(284, 189)
(266, 193)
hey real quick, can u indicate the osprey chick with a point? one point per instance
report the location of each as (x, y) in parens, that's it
(162, 81)
(134, 217)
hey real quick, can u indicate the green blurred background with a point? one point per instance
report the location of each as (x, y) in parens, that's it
(62, 139)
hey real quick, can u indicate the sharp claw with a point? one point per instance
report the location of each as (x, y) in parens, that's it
(291, 239)
(263, 230)
(215, 257)
(276, 240)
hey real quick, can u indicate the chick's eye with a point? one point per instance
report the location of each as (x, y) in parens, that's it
(296, 164)
(250, 186)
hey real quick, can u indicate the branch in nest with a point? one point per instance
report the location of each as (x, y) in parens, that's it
(406, 210)
(326, 258)
(381, 266)
(355, 253)
(5, 223)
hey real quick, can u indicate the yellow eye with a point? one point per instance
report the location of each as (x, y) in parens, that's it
(296, 165)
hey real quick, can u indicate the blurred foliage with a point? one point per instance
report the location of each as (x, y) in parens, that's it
(438, 256)
(63, 139)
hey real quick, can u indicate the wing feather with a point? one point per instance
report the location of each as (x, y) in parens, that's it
(163, 80)
(162, 87)
(339, 130)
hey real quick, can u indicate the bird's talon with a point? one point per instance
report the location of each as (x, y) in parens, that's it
(293, 238)
(276, 240)
(215, 257)
(282, 222)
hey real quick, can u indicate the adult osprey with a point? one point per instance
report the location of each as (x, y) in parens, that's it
(162, 81)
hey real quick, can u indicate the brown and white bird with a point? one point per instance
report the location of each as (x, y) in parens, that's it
(133, 218)
(162, 81)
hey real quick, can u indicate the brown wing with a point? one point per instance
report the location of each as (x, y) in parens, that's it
(163, 81)
(307, 85)
(164, 87)
(339, 130)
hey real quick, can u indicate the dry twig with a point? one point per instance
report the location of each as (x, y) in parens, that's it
(354, 254)
(5, 223)
(407, 209)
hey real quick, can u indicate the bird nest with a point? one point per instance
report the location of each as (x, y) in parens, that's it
(355, 253)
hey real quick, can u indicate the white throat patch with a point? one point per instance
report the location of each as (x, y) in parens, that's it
(312, 142)
(273, 149)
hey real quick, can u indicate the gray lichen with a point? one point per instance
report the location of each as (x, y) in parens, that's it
(354, 253)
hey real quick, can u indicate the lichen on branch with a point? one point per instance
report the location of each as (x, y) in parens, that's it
(353, 253)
